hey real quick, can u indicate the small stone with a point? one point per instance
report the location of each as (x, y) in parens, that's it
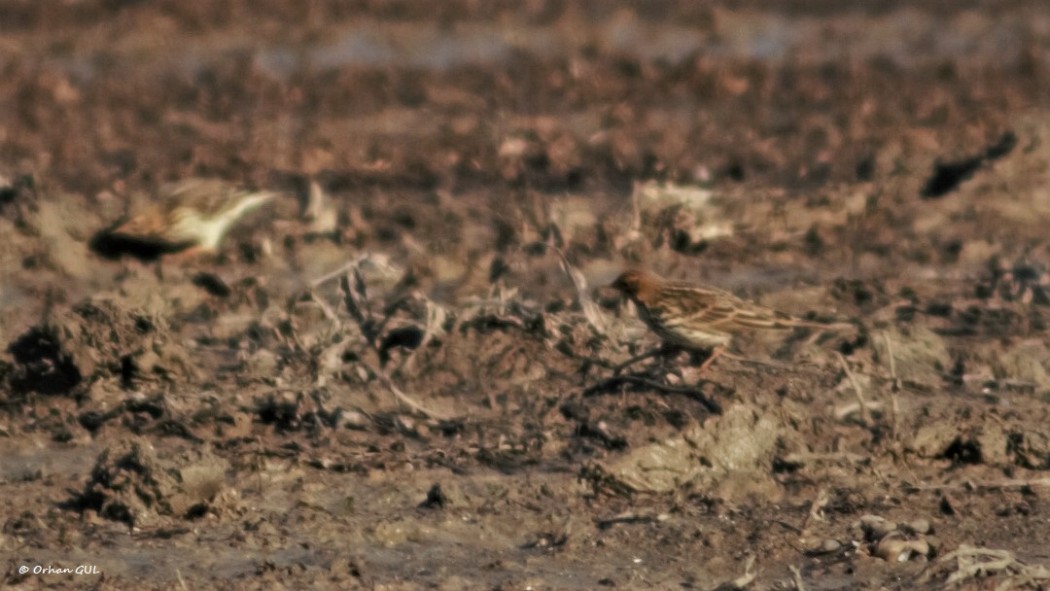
(352, 419)
(896, 549)
(919, 526)
(875, 527)
(822, 547)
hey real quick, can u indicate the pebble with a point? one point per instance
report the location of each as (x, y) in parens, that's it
(830, 546)
(895, 549)
(919, 526)
(875, 527)
(825, 546)
(352, 419)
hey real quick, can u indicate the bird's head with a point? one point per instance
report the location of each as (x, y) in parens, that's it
(636, 283)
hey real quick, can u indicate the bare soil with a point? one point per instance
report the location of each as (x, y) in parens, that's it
(400, 375)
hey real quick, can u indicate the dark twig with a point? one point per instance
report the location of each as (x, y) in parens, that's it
(610, 384)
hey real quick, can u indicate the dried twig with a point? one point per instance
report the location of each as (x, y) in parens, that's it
(401, 396)
(631, 517)
(379, 260)
(804, 458)
(749, 574)
(815, 508)
(336, 274)
(590, 309)
(968, 562)
(845, 411)
(329, 313)
(635, 359)
(797, 576)
(182, 582)
(895, 409)
(356, 298)
(892, 359)
(984, 485)
(611, 383)
(435, 325)
(865, 418)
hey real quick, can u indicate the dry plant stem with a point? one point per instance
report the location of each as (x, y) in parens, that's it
(329, 313)
(341, 271)
(813, 457)
(590, 310)
(401, 396)
(986, 485)
(975, 563)
(894, 400)
(351, 296)
(636, 214)
(892, 358)
(628, 518)
(640, 357)
(354, 298)
(749, 574)
(614, 381)
(845, 411)
(259, 464)
(714, 354)
(971, 378)
(182, 582)
(797, 576)
(436, 316)
(864, 416)
(815, 508)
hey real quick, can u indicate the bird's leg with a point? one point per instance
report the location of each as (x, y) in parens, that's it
(188, 255)
(714, 354)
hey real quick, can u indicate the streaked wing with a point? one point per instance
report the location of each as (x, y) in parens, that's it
(146, 225)
(722, 311)
(152, 227)
(177, 202)
(166, 223)
(208, 196)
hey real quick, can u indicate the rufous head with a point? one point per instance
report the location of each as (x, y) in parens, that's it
(636, 283)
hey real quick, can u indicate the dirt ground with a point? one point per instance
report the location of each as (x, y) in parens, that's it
(400, 374)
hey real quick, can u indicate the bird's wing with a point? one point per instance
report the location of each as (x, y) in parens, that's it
(724, 311)
(208, 196)
(754, 316)
(148, 225)
(155, 221)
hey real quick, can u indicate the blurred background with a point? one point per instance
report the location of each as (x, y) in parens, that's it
(466, 104)
(553, 94)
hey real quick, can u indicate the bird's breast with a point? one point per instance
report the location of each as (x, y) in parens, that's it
(683, 331)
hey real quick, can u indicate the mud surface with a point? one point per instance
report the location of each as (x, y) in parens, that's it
(399, 374)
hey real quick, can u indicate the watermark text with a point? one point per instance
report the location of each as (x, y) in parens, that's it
(50, 569)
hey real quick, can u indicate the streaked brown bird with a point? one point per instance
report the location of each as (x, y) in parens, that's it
(191, 214)
(700, 318)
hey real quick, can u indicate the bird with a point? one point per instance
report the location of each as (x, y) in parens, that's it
(698, 318)
(192, 214)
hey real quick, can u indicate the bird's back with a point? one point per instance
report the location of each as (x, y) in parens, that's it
(191, 211)
(696, 316)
